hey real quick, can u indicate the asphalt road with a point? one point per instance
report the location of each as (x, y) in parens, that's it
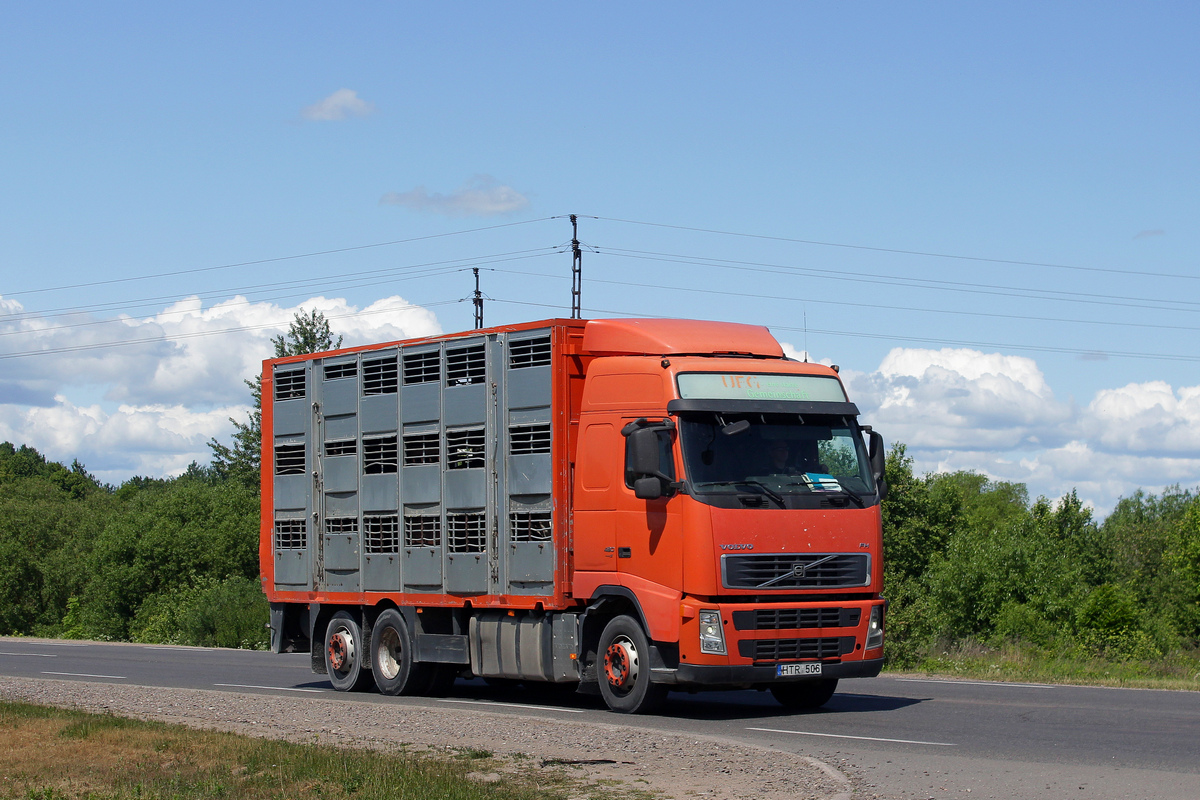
(903, 737)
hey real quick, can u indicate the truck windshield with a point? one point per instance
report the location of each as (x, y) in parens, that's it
(778, 460)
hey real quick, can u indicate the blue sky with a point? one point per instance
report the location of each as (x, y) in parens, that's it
(986, 215)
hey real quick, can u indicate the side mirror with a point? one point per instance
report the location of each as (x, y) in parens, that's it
(643, 452)
(877, 456)
(642, 460)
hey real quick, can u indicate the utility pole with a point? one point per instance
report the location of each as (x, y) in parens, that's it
(478, 300)
(576, 269)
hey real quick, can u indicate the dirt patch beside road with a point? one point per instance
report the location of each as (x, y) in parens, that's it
(667, 764)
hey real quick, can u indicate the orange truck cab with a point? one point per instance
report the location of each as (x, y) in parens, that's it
(632, 506)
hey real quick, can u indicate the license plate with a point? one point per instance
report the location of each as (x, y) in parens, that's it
(785, 670)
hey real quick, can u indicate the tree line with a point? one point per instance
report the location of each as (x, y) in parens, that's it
(967, 559)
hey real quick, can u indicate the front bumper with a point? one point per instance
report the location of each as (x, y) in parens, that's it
(713, 676)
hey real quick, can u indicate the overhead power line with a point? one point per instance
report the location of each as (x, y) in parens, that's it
(202, 334)
(894, 338)
(367, 278)
(851, 304)
(919, 283)
(271, 260)
(898, 251)
(160, 315)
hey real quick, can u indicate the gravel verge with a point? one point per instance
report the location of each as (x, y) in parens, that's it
(666, 764)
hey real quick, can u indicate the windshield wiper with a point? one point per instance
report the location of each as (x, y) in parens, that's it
(767, 490)
(841, 491)
(855, 496)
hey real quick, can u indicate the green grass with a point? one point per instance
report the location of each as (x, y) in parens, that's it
(1026, 663)
(55, 754)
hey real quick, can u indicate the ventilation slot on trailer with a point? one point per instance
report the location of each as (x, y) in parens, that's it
(335, 372)
(526, 440)
(420, 448)
(381, 533)
(379, 455)
(528, 353)
(422, 367)
(464, 449)
(289, 459)
(290, 534)
(379, 376)
(341, 447)
(422, 530)
(289, 385)
(465, 365)
(466, 533)
(529, 526)
(341, 524)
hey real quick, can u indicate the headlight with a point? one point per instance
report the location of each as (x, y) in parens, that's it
(712, 638)
(875, 629)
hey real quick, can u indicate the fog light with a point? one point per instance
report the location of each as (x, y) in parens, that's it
(875, 628)
(712, 638)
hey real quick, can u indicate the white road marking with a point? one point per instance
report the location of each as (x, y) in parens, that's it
(516, 705)
(38, 655)
(62, 644)
(861, 738)
(977, 683)
(272, 688)
(86, 675)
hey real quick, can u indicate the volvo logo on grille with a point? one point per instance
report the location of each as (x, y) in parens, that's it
(737, 547)
(798, 571)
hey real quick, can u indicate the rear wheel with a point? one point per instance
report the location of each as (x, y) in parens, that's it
(344, 654)
(623, 671)
(804, 695)
(392, 662)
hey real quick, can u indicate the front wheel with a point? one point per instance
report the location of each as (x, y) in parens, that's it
(804, 695)
(624, 669)
(344, 654)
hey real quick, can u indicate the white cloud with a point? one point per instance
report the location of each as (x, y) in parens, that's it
(341, 104)
(962, 399)
(149, 406)
(151, 440)
(796, 354)
(1146, 418)
(482, 196)
(960, 409)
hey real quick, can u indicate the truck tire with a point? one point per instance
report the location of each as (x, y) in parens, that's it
(623, 671)
(392, 662)
(804, 695)
(344, 654)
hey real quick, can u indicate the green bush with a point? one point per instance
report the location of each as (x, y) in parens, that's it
(1020, 622)
(232, 612)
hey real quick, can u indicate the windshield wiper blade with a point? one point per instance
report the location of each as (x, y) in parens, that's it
(855, 496)
(767, 490)
(841, 491)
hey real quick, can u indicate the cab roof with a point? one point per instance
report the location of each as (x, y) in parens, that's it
(678, 337)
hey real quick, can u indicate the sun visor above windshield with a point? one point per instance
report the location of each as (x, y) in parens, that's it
(727, 406)
(677, 337)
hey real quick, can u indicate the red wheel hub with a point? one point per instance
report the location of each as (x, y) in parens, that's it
(617, 664)
(341, 650)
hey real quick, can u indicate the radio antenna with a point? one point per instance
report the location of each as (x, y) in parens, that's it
(806, 336)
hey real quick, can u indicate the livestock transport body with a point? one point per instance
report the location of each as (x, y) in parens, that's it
(633, 506)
